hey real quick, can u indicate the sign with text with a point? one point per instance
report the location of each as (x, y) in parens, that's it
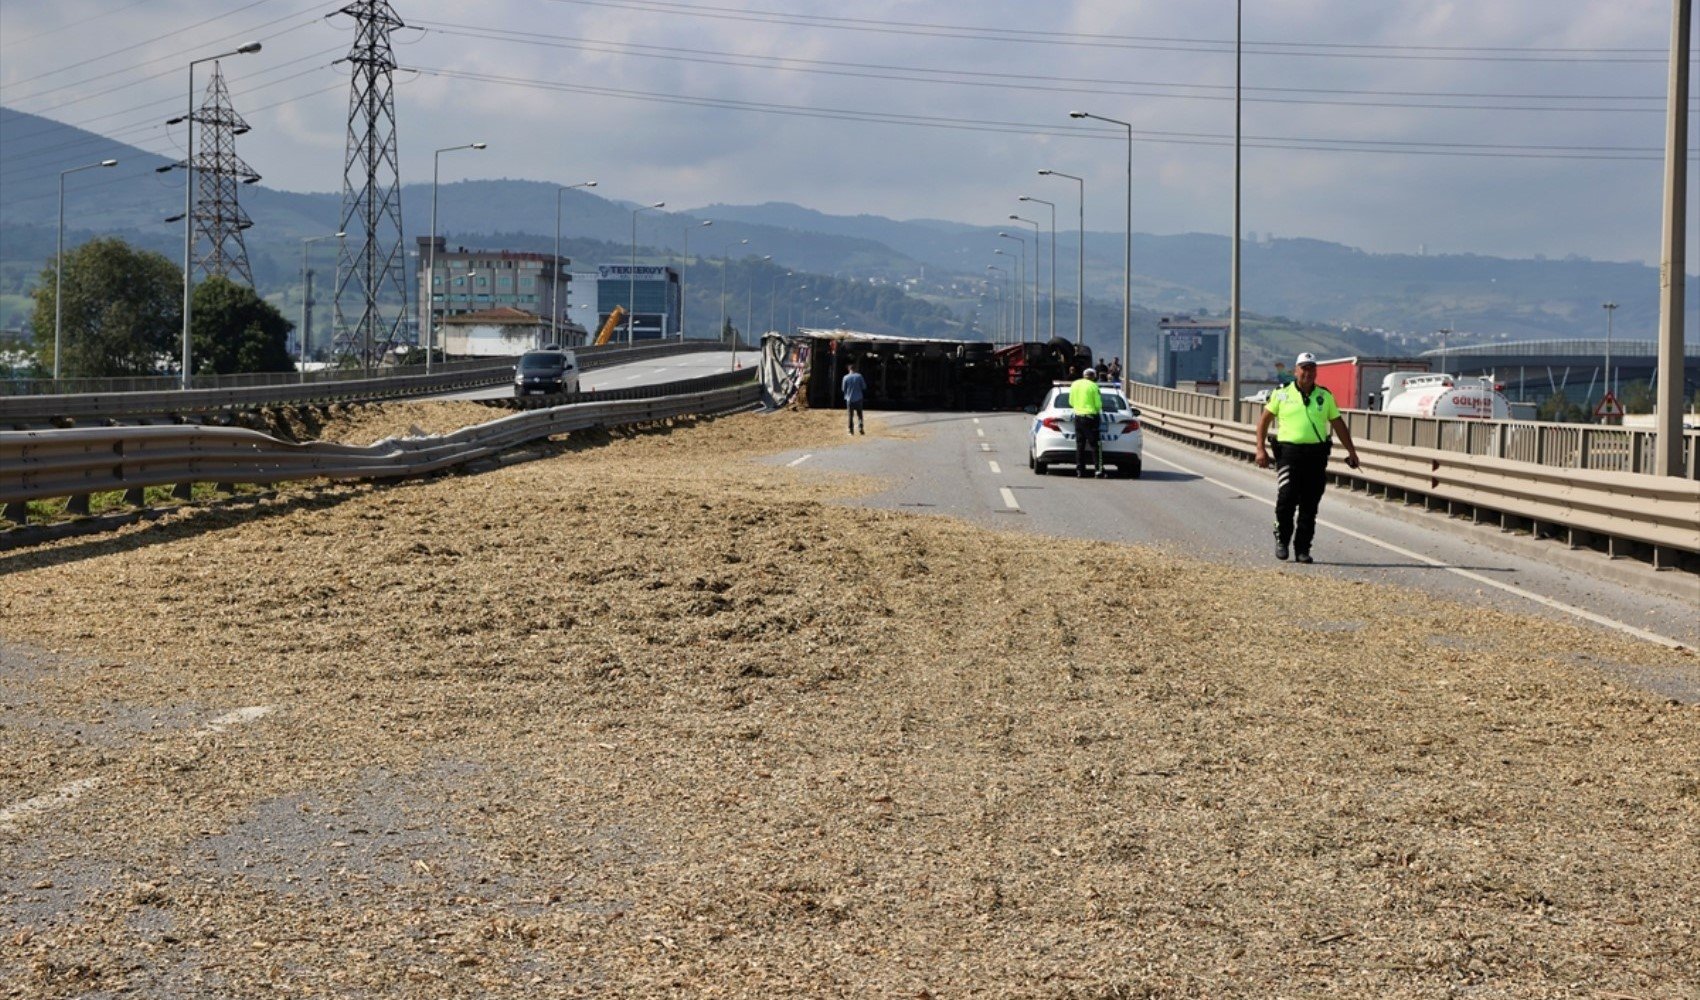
(642, 273)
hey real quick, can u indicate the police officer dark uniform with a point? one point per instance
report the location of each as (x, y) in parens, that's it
(1303, 413)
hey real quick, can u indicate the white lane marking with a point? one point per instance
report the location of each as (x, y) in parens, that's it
(71, 791)
(1509, 588)
(985, 447)
(1009, 498)
(976, 419)
(799, 461)
(980, 431)
(634, 378)
(995, 470)
(64, 795)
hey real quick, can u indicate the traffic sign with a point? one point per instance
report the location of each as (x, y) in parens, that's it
(1609, 406)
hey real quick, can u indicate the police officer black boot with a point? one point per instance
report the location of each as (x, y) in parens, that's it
(1280, 545)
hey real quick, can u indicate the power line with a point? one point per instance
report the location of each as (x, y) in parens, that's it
(173, 58)
(147, 125)
(1145, 42)
(80, 22)
(1222, 92)
(1028, 128)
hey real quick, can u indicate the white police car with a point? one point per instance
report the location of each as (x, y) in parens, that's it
(1050, 441)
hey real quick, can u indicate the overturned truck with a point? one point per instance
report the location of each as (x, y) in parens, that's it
(914, 373)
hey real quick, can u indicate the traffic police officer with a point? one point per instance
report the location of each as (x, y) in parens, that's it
(1088, 405)
(1303, 413)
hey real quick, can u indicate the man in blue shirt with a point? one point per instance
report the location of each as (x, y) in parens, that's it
(855, 388)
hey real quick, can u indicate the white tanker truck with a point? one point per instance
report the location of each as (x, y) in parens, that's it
(1429, 394)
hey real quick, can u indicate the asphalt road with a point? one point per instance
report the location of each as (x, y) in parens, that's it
(635, 373)
(1201, 505)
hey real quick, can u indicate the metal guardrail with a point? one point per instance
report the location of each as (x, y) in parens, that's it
(247, 380)
(1562, 446)
(18, 411)
(1469, 463)
(76, 462)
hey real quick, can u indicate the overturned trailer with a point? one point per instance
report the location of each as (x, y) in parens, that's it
(913, 373)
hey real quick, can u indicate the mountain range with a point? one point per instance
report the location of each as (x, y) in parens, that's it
(1296, 282)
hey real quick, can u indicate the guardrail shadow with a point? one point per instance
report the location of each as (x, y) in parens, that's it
(22, 548)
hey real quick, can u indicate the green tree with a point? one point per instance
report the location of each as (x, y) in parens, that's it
(123, 311)
(233, 330)
(1638, 397)
(1557, 407)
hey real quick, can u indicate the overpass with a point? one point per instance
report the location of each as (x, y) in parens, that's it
(1536, 369)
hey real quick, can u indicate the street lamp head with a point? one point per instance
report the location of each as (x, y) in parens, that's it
(1046, 173)
(1023, 198)
(173, 218)
(1078, 114)
(659, 204)
(109, 163)
(180, 119)
(589, 184)
(480, 145)
(340, 235)
(248, 49)
(707, 222)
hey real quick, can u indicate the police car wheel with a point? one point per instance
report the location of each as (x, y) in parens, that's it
(1132, 469)
(1040, 468)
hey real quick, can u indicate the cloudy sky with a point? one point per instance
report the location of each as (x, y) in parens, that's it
(1513, 127)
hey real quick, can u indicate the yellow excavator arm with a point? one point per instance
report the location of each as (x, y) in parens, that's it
(615, 318)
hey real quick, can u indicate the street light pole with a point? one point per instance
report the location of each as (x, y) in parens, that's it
(1080, 287)
(1127, 246)
(1610, 307)
(304, 297)
(1233, 388)
(1020, 288)
(725, 258)
(1673, 268)
(431, 253)
(188, 121)
(59, 261)
(684, 262)
(773, 295)
(1052, 206)
(750, 302)
(555, 266)
(631, 273)
(1035, 296)
(1003, 318)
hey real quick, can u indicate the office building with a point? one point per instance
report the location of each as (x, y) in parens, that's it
(656, 290)
(479, 281)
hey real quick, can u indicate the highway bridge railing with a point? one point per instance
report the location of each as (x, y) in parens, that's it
(1578, 482)
(115, 399)
(78, 462)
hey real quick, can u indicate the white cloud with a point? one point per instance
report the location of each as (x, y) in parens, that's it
(692, 155)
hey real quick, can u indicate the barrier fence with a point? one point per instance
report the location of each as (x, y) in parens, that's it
(1577, 479)
(77, 462)
(239, 392)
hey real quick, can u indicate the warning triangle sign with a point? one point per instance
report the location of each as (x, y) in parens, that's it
(1609, 407)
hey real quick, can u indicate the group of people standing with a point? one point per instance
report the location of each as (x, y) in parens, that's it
(1304, 414)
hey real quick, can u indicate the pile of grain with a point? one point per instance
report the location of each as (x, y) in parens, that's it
(647, 719)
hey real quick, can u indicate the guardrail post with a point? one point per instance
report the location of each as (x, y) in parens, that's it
(1582, 442)
(77, 504)
(135, 496)
(183, 491)
(17, 512)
